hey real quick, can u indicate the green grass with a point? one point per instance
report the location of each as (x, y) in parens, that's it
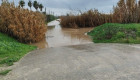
(116, 33)
(4, 72)
(11, 50)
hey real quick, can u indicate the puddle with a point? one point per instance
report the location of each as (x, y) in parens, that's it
(57, 36)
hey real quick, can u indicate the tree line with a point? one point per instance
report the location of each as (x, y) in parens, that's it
(31, 4)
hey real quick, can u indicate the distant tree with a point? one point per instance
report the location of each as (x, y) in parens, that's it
(36, 5)
(68, 15)
(41, 7)
(30, 4)
(22, 3)
(45, 10)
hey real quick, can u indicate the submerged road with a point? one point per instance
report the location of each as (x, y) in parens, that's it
(80, 62)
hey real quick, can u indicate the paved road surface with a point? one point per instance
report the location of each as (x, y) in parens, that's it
(81, 62)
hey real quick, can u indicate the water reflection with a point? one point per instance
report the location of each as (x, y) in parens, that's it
(57, 36)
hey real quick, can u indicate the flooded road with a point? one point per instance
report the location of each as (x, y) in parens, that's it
(79, 62)
(57, 36)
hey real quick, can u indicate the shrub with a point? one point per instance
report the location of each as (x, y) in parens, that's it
(120, 35)
(26, 26)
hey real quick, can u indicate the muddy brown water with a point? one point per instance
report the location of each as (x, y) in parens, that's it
(57, 36)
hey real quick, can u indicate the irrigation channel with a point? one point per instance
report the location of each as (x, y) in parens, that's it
(57, 36)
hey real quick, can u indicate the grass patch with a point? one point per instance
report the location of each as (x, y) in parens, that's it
(5, 72)
(11, 50)
(116, 33)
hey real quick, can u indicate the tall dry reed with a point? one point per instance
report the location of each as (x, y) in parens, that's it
(126, 11)
(26, 26)
(90, 18)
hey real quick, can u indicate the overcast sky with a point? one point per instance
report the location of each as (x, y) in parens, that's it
(65, 6)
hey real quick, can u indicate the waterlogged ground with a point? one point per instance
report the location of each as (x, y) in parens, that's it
(57, 36)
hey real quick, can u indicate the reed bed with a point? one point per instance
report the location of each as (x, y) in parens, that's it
(24, 25)
(126, 11)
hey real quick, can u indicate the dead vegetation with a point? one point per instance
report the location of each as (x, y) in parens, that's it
(126, 11)
(24, 25)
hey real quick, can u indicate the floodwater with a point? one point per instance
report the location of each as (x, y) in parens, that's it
(57, 36)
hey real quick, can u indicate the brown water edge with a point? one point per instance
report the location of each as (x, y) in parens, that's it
(57, 36)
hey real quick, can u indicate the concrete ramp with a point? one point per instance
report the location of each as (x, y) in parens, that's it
(81, 62)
